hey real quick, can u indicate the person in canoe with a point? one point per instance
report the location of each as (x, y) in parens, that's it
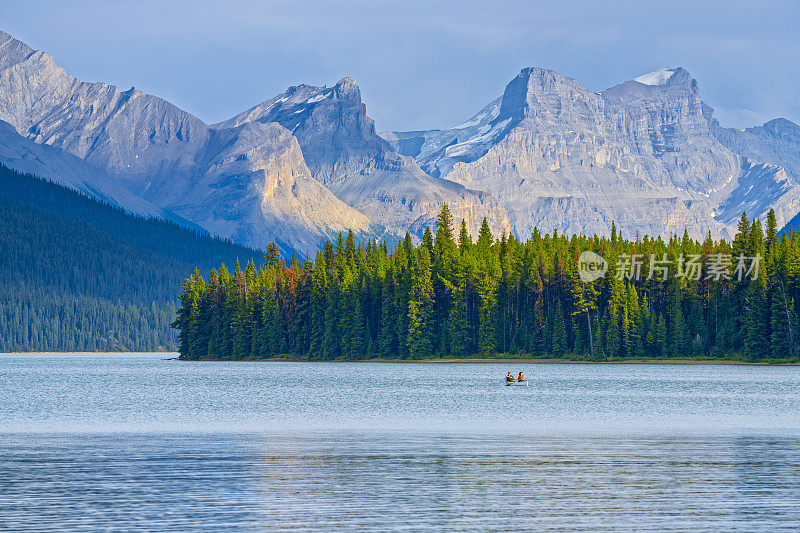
(521, 377)
(510, 378)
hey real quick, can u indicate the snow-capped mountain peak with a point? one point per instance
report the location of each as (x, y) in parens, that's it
(640, 154)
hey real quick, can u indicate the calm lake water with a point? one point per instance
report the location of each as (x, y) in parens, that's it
(131, 442)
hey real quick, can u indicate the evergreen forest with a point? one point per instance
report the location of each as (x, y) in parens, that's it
(80, 275)
(451, 296)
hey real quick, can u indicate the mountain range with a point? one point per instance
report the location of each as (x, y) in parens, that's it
(307, 164)
(646, 154)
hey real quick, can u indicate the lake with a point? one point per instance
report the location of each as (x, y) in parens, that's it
(137, 442)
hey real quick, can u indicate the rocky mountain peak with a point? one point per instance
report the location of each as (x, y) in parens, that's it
(347, 88)
(249, 183)
(645, 154)
(537, 98)
(12, 51)
(682, 82)
(537, 90)
(331, 124)
(781, 128)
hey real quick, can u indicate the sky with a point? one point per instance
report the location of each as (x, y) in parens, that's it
(420, 64)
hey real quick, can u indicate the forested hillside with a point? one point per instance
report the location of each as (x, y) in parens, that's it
(452, 297)
(78, 275)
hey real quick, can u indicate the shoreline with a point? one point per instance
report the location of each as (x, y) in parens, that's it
(444, 360)
(513, 360)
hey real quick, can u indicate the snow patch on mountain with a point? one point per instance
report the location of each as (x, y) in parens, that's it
(659, 77)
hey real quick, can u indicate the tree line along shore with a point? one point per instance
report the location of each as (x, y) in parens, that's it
(453, 298)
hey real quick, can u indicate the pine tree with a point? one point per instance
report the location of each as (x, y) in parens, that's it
(318, 307)
(613, 319)
(632, 320)
(241, 324)
(464, 240)
(444, 258)
(459, 324)
(677, 332)
(584, 296)
(661, 336)
(272, 257)
(420, 308)
(783, 329)
(756, 317)
(757, 340)
(772, 233)
(742, 238)
(427, 241)
(486, 315)
(559, 331)
(485, 239)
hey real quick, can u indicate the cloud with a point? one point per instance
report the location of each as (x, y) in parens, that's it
(420, 64)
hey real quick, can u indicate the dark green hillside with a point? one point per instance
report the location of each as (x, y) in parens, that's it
(79, 275)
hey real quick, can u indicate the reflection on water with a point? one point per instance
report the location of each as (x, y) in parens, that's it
(134, 442)
(388, 481)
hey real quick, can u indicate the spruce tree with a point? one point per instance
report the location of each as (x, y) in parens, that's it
(559, 331)
(427, 241)
(459, 324)
(485, 239)
(272, 257)
(772, 233)
(420, 308)
(464, 240)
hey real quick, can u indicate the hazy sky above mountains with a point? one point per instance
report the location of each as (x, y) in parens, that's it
(420, 64)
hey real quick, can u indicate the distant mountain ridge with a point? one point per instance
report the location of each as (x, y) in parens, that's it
(307, 164)
(644, 154)
(252, 188)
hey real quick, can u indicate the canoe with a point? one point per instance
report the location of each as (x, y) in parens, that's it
(517, 383)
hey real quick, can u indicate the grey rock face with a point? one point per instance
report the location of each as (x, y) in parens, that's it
(171, 159)
(757, 189)
(53, 164)
(128, 134)
(344, 152)
(641, 154)
(12, 51)
(253, 186)
(393, 190)
(776, 142)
